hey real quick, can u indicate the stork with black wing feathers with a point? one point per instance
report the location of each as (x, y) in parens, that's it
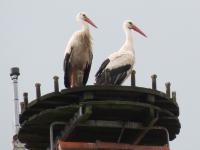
(119, 64)
(78, 54)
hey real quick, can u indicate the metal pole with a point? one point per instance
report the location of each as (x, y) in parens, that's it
(174, 96)
(164, 129)
(133, 77)
(168, 84)
(38, 91)
(107, 77)
(25, 100)
(14, 76)
(56, 85)
(153, 77)
(51, 132)
(143, 133)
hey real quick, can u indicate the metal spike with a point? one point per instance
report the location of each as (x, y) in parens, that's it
(56, 84)
(168, 84)
(22, 106)
(107, 76)
(133, 77)
(153, 77)
(25, 100)
(174, 96)
(38, 91)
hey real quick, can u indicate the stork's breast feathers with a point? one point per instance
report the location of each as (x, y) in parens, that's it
(85, 41)
(80, 51)
(120, 59)
(79, 39)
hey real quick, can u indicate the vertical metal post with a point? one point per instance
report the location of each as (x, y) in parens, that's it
(107, 77)
(22, 106)
(51, 132)
(56, 85)
(25, 100)
(153, 77)
(14, 76)
(168, 84)
(174, 96)
(133, 77)
(38, 92)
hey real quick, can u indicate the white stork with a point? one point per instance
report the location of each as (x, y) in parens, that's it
(78, 54)
(119, 64)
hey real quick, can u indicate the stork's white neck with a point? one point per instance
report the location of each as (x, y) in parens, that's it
(84, 26)
(128, 44)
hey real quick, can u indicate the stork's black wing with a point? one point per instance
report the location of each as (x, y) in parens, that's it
(87, 70)
(102, 67)
(66, 67)
(115, 76)
(100, 78)
(118, 75)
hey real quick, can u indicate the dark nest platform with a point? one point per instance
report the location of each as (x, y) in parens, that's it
(117, 114)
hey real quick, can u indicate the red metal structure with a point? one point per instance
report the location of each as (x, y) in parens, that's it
(105, 146)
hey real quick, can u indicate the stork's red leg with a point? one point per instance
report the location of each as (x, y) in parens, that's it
(75, 77)
(72, 78)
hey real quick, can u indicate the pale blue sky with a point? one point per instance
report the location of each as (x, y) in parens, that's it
(33, 35)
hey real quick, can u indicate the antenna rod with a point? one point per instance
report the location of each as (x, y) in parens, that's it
(14, 76)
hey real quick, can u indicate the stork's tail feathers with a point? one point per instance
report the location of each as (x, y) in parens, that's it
(113, 77)
(103, 78)
(100, 80)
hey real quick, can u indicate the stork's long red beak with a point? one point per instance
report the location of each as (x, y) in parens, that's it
(138, 30)
(90, 22)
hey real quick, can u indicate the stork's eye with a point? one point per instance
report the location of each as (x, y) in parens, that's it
(130, 23)
(84, 15)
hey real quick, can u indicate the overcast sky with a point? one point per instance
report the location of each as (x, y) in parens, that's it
(34, 33)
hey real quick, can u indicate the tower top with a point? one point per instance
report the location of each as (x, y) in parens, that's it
(14, 71)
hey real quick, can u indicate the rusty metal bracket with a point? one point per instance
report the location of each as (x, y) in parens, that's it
(78, 118)
(144, 132)
(121, 133)
(51, 132)
(164, 129)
